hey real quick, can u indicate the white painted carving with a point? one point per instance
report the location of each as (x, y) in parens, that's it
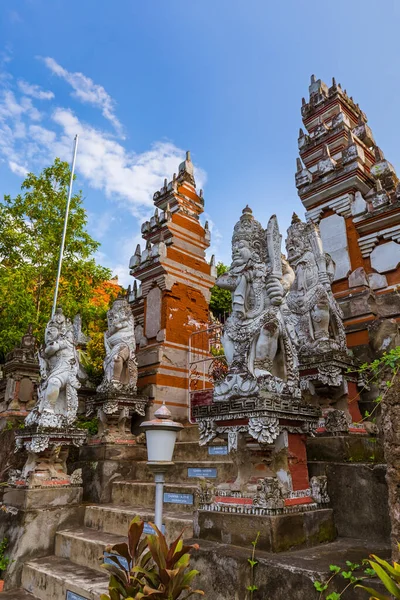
(256, 330)
(120, 365)
(334, 238)
(313, 316)
(57, 394)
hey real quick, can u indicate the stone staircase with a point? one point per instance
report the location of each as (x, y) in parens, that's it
(75, 565)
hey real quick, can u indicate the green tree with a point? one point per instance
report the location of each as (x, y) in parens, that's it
(30, 235)
(221, 300)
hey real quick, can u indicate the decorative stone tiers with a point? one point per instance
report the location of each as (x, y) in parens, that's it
(115, 408)
(352, 192)
(47, 456)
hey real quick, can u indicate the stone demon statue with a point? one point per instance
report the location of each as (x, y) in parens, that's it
(256, 342)
(57, 394)
(120, 366)
(313, 316)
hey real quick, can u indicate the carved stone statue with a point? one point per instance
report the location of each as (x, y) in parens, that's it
(311, 312)
(57, 394)
(120, 365)
(256, 342)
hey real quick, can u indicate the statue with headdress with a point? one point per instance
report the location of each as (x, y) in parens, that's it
(314, 317)
(120, 365)
(257, 346)
(57, 404)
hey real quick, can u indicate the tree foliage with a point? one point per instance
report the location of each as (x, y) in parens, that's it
(221, 300)
(31, 228)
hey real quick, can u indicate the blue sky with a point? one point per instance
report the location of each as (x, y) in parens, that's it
(143, 81)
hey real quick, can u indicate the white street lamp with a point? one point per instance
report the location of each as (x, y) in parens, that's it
(161, 434)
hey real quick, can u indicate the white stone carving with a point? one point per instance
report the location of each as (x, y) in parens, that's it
(319, 489)
(264, 429)
(57, 394)
(385, 257)
(311, 311)
(255, 332)
(334, 238)
(120, 365)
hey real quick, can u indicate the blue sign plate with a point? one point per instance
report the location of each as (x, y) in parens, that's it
(148, 530)
(211, 473)
(73, 596)
(106, 555)
(178, 498)
(213, 450)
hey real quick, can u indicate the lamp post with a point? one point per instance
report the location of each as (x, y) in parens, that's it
(161, 434)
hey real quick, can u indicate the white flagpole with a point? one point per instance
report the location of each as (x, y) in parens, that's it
(65, 227)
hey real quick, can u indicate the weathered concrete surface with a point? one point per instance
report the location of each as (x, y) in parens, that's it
(101, 464)
(225, 573)
(345, 448)
(359, 498)
(138, 493)
(84, 546)
(116, 519)
(391, 432)
(49, 579)
(17, 594)
(278, 533)
(32, 530)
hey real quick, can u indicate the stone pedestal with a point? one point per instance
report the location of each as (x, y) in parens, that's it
(115, 406)
(47, 457)
(330, 379)
(30, 518)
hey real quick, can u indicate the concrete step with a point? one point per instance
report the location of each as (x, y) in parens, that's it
(142, 493)
(192, 451)
(85, 546)
(225, 471)
(190, 433)
(115, 519)
(17, 594)
(50, 578)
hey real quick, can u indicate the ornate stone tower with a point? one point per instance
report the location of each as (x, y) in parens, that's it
(172, 299)
(348, 187)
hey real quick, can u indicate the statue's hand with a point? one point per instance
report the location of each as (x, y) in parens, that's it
(324, 279)
(274, 291)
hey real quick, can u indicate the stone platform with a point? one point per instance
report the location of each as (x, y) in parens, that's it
(278, 533)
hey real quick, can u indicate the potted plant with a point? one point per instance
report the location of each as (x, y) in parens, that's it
(149, 568)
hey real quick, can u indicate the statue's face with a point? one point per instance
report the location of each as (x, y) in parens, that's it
(51, 335)
(294, 247)
(241, 253)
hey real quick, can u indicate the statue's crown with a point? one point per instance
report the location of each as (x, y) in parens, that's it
(60, 322)
(120, 305)
(251, 231)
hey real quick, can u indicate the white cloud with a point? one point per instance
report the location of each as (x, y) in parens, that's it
(87, 91)
(35, 91)
(30, 140)
(17, 169)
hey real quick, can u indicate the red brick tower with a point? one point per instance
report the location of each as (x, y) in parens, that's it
(353, 193)
(173, 297)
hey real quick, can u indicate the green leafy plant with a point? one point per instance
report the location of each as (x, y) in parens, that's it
(4, 560)
(251, 588)
(148, 567)
(90, 425)
(349, 574)
(389, 576)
